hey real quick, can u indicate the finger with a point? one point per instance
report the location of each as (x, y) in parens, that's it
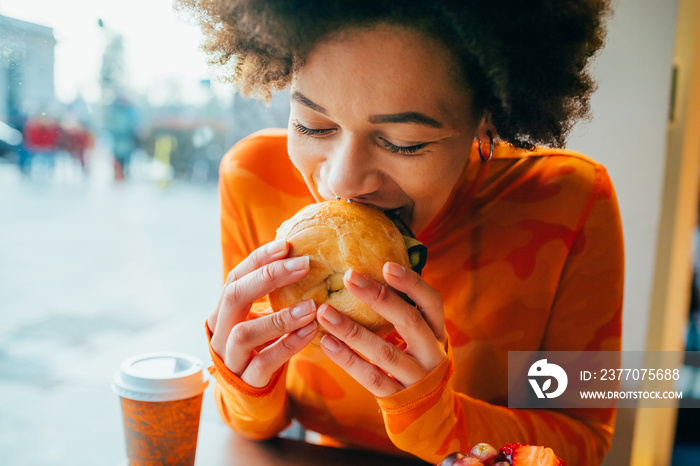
(263, 255)
(382, 353)
(263, 365)
(378, 382)
(211, 321)
(409, 321)
(246, 336)
(427, 299)
(240, 294)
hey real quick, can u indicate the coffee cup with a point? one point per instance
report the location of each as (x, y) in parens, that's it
(161, 401)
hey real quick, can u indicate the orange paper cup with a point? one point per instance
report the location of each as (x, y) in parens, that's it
(161, 399)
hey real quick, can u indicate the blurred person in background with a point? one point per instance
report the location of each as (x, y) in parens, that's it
(41, 136)
(121, 122)
(76, 139)
(452, 114)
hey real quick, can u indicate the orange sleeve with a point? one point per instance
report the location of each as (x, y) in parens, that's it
(252, 206)
(431, 420)
(258, 190)
(256, 413)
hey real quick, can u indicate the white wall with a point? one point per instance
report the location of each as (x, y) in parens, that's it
(628, 135)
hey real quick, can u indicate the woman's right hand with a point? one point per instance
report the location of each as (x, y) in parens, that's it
(255, 349)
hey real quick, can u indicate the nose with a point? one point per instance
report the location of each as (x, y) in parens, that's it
(351, 171)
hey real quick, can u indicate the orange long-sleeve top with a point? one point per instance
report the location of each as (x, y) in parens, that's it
(527, 254)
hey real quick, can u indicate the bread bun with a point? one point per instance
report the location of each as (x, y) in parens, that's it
(337, 236)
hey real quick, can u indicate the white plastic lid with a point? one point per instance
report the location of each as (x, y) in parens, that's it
(160, 377)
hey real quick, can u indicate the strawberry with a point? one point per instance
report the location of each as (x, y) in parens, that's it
(528, 455)
(506, 453)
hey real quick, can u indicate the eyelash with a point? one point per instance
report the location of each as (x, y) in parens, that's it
(311, 132)
(393, 148)
(404, 150)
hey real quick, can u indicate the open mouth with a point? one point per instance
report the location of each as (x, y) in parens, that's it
(396, 212)
(404, 213)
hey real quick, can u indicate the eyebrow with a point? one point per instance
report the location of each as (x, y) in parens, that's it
(404, 117)
(302, 99)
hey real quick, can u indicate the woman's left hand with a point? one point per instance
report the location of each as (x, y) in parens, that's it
(422, 327)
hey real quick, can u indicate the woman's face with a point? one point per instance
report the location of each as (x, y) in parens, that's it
(379, 116)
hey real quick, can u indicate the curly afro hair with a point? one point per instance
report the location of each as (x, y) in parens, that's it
(526, 62)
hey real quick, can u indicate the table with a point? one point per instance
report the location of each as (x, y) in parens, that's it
(219, 446)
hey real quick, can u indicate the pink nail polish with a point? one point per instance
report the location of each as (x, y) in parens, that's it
(302, 309)
(395, 269)
(306, 329)
(331, 315)
(357, 279)
(276, 247)
(330, 343)
(297, 263)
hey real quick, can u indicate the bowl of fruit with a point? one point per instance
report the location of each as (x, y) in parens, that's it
(510, 454)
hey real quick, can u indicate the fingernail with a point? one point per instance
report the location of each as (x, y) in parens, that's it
(306, 329)
(297, 263)
(330, 343)
(357, 279)
(303, 309)
(276, 247)
(395, 269)
(331, 315)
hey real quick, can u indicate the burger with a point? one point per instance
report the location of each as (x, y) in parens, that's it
(338, 236)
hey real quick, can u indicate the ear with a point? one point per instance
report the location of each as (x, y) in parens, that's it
(486, 128)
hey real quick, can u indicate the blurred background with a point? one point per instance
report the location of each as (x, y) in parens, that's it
(111, 131)
(84, 81)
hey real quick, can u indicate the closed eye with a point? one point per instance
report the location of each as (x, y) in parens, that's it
(405, 150)
(312, 131)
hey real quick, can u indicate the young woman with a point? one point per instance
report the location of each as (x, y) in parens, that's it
(445, 111)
